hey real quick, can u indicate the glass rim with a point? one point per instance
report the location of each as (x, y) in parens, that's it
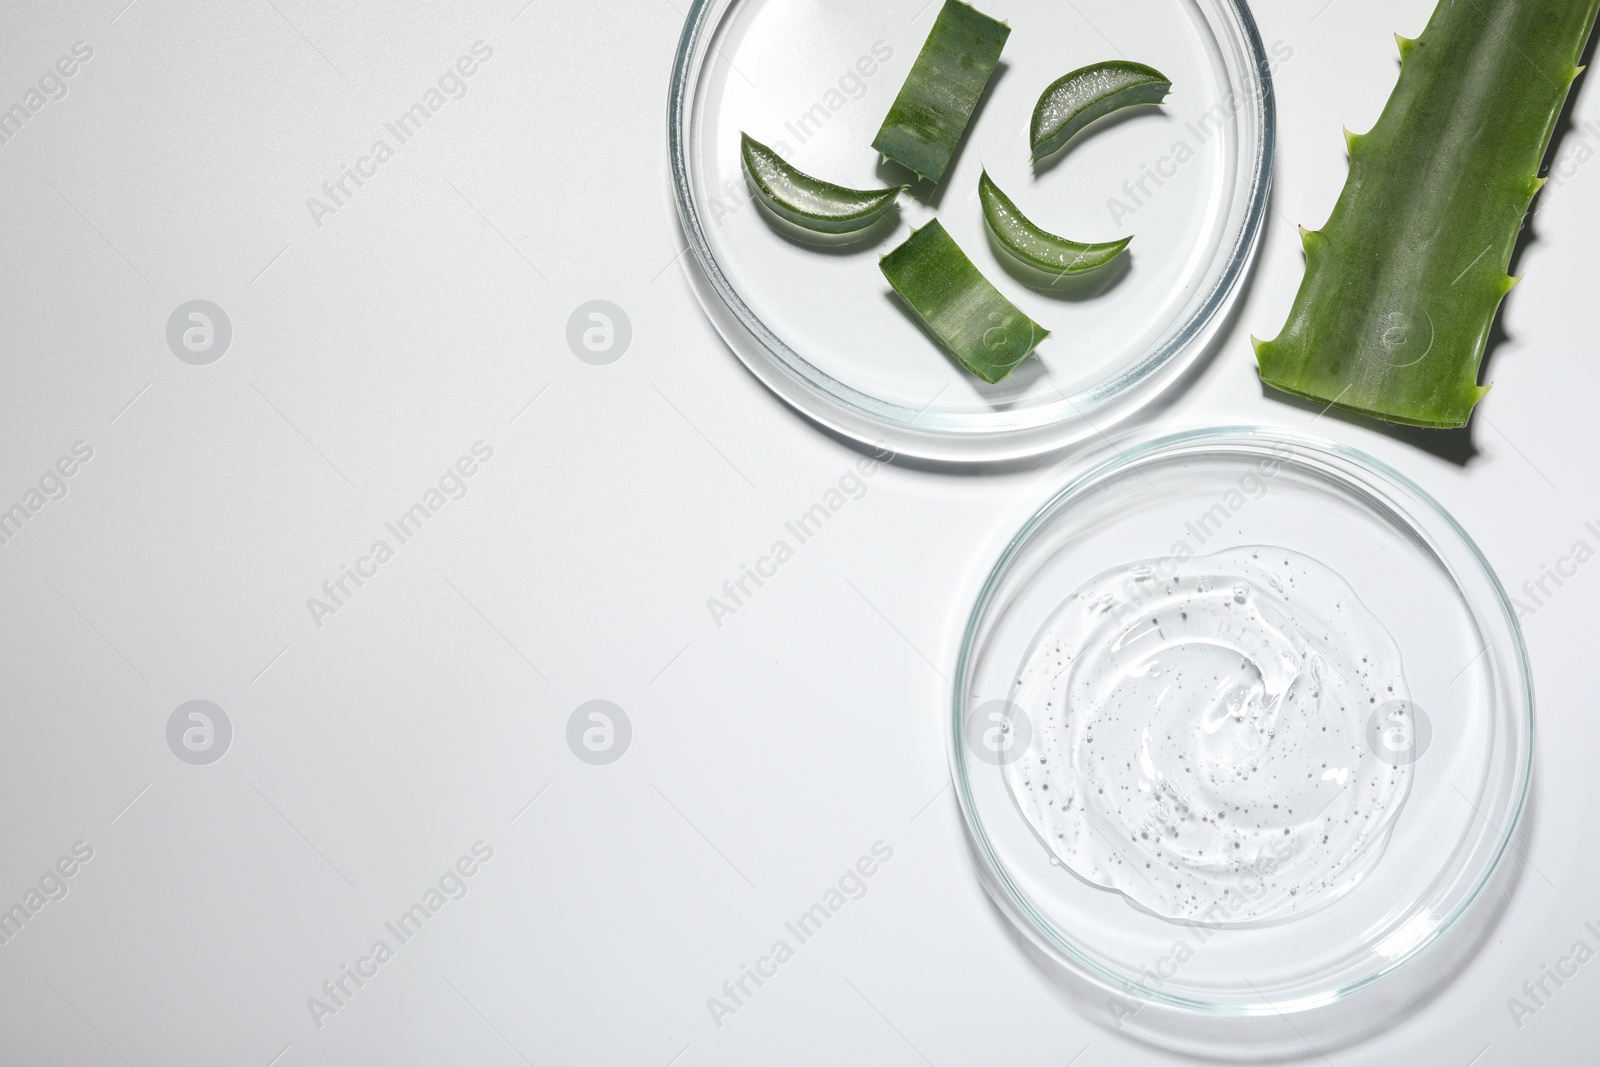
(1004, 436)
(1016, 903)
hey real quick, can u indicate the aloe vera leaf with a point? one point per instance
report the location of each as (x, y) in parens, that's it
(1034, 246)
(807, 201)
(1403, 282)
(988, 333)
(1089, 93)
(928, 117)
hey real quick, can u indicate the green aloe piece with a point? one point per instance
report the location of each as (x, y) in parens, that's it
(807, 201)
(1402, 284)
(1089, 93)
(928, 117)
(1034, 246)
(988, 333)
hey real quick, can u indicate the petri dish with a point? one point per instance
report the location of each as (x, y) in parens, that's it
(820, 326)
(1280, 982)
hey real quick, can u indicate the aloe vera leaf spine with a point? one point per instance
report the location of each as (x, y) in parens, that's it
(987, 333)
(1403, 282)
(929, 115)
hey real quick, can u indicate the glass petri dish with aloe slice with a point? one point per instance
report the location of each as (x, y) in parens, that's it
(815, 79)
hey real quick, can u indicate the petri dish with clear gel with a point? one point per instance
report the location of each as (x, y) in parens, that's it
(1242, 732)
(819, 325)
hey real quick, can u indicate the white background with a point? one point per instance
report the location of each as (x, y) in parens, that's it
(768, 754)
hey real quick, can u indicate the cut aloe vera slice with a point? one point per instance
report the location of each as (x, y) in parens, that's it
(927, 119)
(988, 333)
(807, 201)
(1089, 93)
(1034, 246)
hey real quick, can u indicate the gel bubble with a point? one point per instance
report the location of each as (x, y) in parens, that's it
(1200, 736)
